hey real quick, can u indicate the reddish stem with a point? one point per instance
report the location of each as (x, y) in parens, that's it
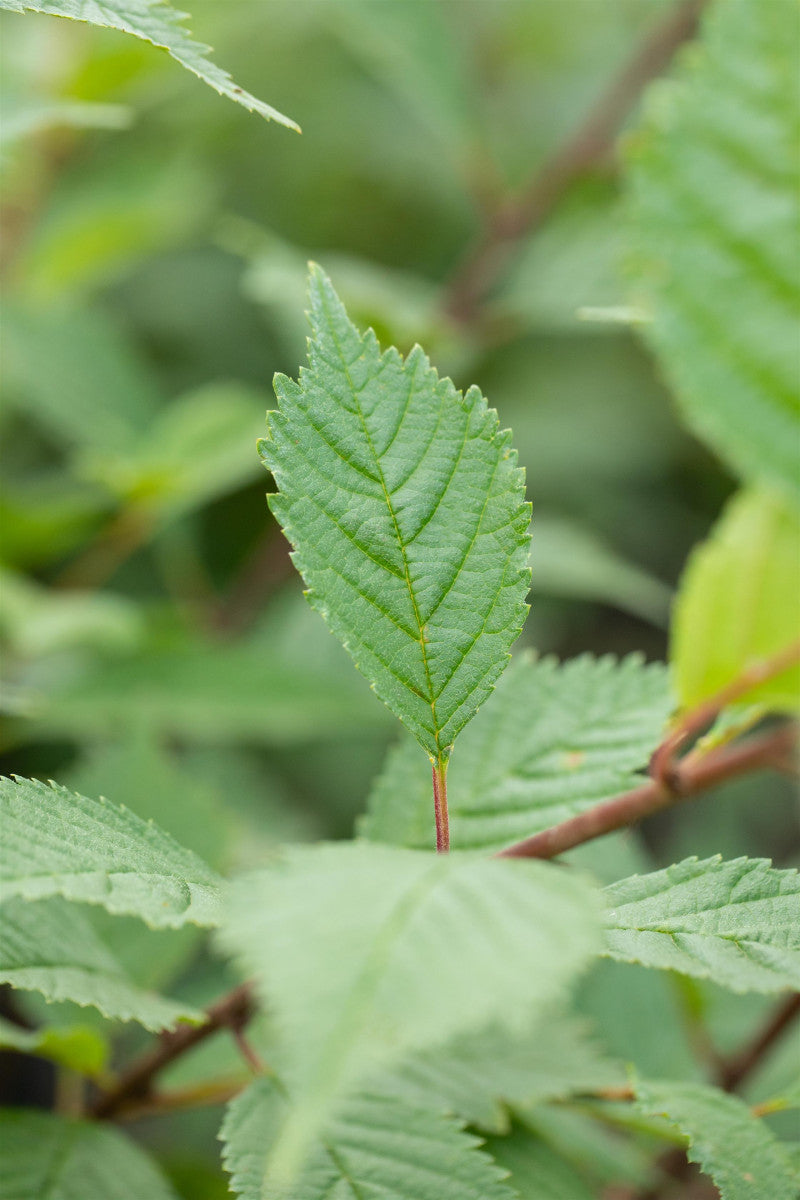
(440, 807)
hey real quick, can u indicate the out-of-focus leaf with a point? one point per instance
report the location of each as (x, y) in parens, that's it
(738, 603)
(76, 1047)
(374, 1144)
(713, 179)
(78, 376)
(571, 561)
(737, 1150)
(36, 622)
(49, 946)
(554, 740)
(400, 939)
(43, 519)
(536, 1170)
(157, 22)
(21, 118)
(45, 1155)
(735, 922)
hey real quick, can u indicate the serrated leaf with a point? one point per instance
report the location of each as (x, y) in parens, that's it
(365, 953)
(555, 740)
(374, 1146)
(738, 1151)
(737, 603)
(47, 1156)
(57, 843)
(49, 946)
(713, 215)
(405, 506)
(537, 1171)
(478, 1077)
(77, 1047)
(157, 22)
(735, 922)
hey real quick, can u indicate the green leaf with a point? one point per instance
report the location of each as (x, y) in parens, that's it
(157, 22)
(713, 214)
(413, 948)
(57, 843)
(738, 1151)
(47, 1156)
(735, 922)
(38, 621)
(556, 739)
(374, 1146)
(406, 509)
(537, 1171)
(737, 603)
(24, 117)
(50, 947)
(478, 1076)
(76, 1047)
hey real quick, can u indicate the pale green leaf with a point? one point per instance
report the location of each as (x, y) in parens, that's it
(76, 1047)
(23, 117)
(49, 946)
(713, 177)
(47, 1157)
(738, 603)
(157, 22)
(479, 1075)
(556, 739)
(367, 952)
(374, 1146)
(735, 922)
(57, 843)
(406, 509)
(36, 621)
(738, 1151)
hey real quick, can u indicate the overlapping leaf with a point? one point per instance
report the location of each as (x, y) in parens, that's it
(556, 739)
(77, 1047)
(365, 953)
(56, 842)
(714, 219)
(738, 1151)
(406, 509)
(158, 22)
(374, 1145)
(735, 922)
(49, 946)
(737, 603)
(47, 1156)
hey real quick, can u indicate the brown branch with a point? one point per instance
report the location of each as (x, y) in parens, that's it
(135, 1085)
(737, 1069)
(202, 1095)
(692, 776)
(590, 145)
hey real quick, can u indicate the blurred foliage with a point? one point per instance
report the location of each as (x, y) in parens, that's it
(153, 267)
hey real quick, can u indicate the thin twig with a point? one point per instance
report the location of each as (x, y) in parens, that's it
(203, 1095)
(695, 775)
(590, 145)
(737, 1069)
(232, 1012)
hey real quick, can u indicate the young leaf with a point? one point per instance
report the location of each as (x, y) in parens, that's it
(77, 1047)
(737, 603)
(49, 946)
(57, 843)
(374, 1146)
(738, 1151)
(154, 21)
(556, 739)
(714, 207)
(405, 506)
(365, 953)
(45, 1155)
(735, 922)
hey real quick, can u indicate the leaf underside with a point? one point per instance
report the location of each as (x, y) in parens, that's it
(736, 922)
(405, 507)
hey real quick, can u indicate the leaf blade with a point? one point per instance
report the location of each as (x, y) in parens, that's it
(422, 572)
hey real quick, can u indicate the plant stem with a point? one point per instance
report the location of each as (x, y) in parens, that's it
(734, 1071)
(587, 147)
(692, 776)
(440, 807)
(134, 1086)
